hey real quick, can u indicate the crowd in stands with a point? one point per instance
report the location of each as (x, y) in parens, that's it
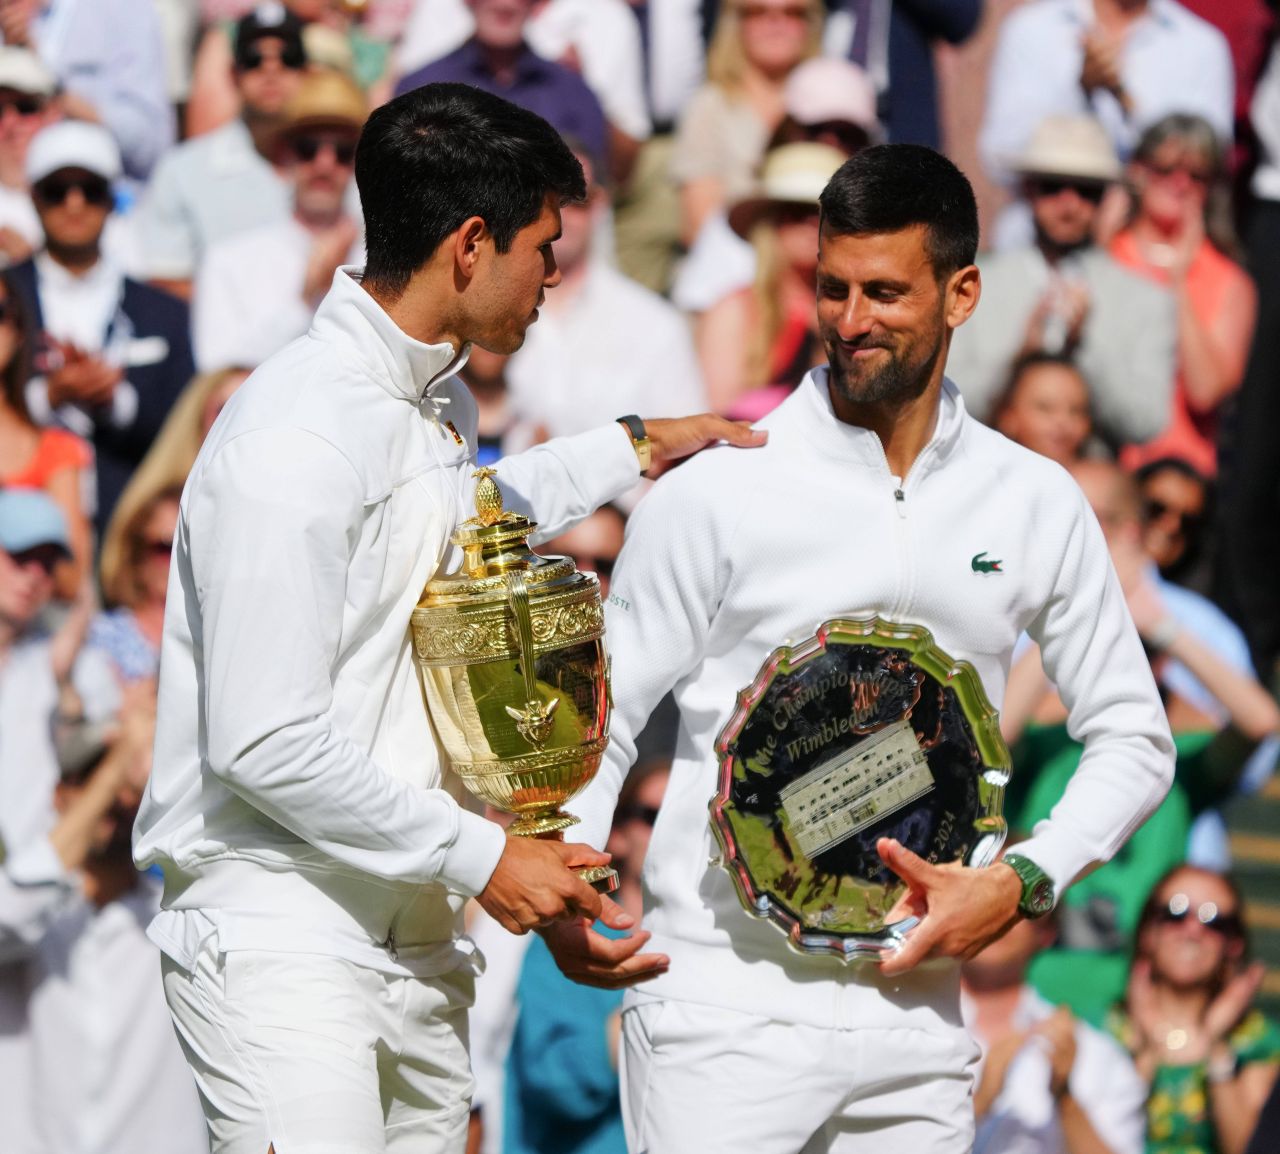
(176, 197)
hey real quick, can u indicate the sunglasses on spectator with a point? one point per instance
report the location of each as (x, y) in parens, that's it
(22, 105)
(291, 56)
(56, 189)
(645, 813)
(1179, 910)
(794, 212)
(1164, 171)
(1155, 509)
(1084, 189)
(789, 12)
(307, 148)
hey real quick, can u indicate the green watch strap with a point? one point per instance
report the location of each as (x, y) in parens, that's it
(1037, 887)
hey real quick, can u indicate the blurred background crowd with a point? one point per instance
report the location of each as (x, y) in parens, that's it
(176, 196)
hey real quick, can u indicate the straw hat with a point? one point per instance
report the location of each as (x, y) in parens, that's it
(325, 99)
(1075, 147)
(792, 174)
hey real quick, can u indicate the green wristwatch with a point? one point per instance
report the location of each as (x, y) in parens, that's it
(1037, 887)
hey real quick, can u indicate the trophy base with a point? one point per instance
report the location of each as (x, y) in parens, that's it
(540, 824)
(602, 879)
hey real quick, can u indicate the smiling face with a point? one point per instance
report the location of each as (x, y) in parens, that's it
(1195, 932)
(508, 288)
(884, 316)
(775, 33)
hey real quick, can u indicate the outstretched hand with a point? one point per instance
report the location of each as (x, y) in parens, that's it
(672, 439)
(591, 959)
(961, 909)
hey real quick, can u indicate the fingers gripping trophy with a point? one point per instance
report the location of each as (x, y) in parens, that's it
(517, 678)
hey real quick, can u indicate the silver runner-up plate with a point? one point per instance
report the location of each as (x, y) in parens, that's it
(864, 730)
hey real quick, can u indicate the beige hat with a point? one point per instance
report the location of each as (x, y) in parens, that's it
(825, 89)
(325, 99)
(792, 174)
(1076, 147)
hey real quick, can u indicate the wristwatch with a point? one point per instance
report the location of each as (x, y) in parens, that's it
(639, 440)
(1037, 887)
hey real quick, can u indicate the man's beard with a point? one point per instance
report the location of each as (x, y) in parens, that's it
(895, 382)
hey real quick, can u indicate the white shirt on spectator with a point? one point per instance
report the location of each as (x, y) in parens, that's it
(617, 348)
(718, 264)
(604, 33)
(105, 1072)
(111, 53)
(203, 191)
(248, 299)
(1024, 1119)
(1172, 61)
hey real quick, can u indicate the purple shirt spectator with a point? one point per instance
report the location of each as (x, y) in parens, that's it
(554, 92)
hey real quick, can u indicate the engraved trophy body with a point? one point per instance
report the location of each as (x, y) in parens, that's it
(864, 730)
(516, 675)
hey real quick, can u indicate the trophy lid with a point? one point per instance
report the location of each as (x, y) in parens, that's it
(495, 542)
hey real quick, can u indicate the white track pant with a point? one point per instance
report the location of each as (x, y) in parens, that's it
(315, 1055)
(700, 1080)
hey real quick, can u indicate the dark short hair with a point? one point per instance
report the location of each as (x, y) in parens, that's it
(890, 187)
(432, 158)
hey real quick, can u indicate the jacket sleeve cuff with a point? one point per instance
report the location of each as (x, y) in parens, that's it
(470, 861)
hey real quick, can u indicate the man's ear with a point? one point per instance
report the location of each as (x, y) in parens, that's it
(964, 288)
(469, 243)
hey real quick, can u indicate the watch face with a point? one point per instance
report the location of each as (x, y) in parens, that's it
(1040, 899)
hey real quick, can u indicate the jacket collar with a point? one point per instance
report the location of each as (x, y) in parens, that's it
(854, 443)
(404, 367)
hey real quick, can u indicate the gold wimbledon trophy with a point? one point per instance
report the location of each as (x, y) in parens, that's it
(517, 679)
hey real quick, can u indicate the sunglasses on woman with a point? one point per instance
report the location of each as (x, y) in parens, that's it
(54, 191)
(1178, 909)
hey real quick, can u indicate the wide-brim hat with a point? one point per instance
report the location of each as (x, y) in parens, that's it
(1072, 147)
(30, 518)
(73, 144)
(324, 99)
(792, 174)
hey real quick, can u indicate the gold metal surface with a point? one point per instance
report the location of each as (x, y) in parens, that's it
(513, 661)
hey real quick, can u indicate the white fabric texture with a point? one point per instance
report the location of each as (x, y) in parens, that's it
(201, 191)
(297, 800)
(1035, 73)
(616, 348)
(248, 301)
(313, 1055)
(1023, 1118)
(105, 1072)
(738, 552)
(700, 1078)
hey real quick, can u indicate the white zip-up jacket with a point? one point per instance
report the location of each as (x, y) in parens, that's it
(736, 553)
(296, 801)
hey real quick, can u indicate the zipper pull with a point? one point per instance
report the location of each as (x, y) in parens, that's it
(900, 502)
(390, 945)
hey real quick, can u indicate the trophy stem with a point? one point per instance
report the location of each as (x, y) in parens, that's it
(603, 879)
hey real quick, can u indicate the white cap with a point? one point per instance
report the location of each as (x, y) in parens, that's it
(23, 71)
(73, 144)
(825, 89)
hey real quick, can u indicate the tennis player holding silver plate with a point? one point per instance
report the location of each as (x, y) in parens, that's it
(865, 730)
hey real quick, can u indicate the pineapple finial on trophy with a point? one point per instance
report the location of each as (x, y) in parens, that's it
(488, 497)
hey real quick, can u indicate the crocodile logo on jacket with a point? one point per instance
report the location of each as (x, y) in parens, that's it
(981, 566)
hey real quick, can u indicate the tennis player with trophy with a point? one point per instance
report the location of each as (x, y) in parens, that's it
(836, 615)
